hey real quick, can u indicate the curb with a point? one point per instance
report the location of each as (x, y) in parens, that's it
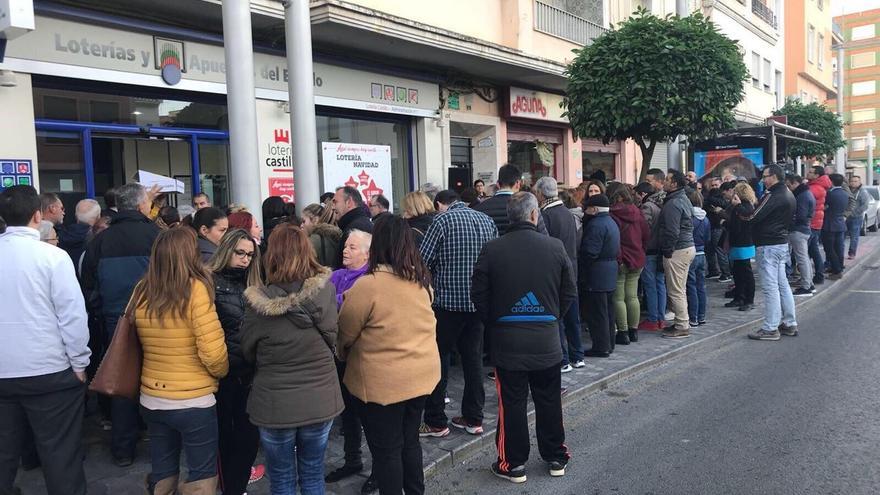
(712, 342)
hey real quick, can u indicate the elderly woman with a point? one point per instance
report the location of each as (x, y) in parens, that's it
(355, 255)
(387, 336)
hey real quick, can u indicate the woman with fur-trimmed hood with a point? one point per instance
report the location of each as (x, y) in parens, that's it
(289, 333)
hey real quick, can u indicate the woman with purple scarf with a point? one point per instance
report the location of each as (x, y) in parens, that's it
(355, 257)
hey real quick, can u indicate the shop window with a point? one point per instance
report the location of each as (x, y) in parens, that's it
(535, 159)
(104, 111)
(61, 169)
(594, 161)
(59, 108)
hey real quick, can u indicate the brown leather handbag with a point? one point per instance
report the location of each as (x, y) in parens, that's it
(119, 374)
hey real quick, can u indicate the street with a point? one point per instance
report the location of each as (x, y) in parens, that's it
(795, 416)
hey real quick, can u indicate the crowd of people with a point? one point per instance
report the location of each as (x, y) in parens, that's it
(262, 336)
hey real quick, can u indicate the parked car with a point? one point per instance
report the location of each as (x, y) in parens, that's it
(872, 219)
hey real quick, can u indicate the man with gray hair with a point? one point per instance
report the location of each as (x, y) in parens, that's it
(521, 308)
(114, 262)
(72, 238)
(562, 224)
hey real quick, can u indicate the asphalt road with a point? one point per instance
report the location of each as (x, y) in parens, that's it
(798, 416)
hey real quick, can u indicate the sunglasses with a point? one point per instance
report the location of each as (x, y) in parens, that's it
(243, 254)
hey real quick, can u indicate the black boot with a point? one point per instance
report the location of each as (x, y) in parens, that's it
(733, 304)
(633, 335)
(343, 472)
(621, 338)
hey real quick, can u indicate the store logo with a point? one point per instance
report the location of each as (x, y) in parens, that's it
(368, 185)
(526, 105)
(282, 136)
(170, 59)
(390, 93)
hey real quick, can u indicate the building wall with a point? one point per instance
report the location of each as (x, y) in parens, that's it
(805, 79)
(19, 138)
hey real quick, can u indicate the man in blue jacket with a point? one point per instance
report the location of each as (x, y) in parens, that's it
(834, 225)
(597, 274)
(799, 237)
(521, 308)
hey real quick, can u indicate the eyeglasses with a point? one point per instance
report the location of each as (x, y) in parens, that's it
(243, 254)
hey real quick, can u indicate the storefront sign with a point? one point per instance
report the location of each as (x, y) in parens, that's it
(60, 44)
(536, 105)
(366, 167)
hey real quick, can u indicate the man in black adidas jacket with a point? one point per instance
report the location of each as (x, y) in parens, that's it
(521, 309)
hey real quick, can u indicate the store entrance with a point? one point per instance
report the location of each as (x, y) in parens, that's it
(81, 160)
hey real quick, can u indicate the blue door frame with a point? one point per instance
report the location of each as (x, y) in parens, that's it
(85, 130)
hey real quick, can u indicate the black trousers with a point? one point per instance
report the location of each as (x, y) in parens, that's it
(744, 281)
(512, 435)
(351, 422)
(53, 405)
(393, 436)
(239, 440)
(463, 332)
(598, 311)
(125, 413)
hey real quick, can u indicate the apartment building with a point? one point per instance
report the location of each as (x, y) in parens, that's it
(809, 74)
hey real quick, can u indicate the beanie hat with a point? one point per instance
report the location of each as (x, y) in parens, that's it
(599, 200)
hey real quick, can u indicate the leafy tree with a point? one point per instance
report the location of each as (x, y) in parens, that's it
(652, 79)
(818, 120)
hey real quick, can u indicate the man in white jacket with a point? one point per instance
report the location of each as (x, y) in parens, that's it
(43, 349)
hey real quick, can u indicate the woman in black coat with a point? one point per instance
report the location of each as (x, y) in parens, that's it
(236, 266)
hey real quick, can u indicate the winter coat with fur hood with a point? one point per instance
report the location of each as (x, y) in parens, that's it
(289, 333)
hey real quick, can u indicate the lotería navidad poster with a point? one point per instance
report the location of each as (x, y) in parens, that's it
(366, 167)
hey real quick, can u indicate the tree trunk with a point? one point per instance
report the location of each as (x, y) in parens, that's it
(647, 154)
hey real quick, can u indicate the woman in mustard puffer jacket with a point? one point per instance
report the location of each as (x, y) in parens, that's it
(184, 356)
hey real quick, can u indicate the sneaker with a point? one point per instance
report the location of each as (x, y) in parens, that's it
(851, 257)
(491, 375)
(516, 474)
(746, 307)
(835, 276)
(669, 316)
(257, 473)
(370, 486)
(801, 292)
(578, 364)
(813, 289)
(713, 276)
(733, 304)
(471, 428)
(694, 323)
(566, 368)
(765, 335)
(557, 468)
(106, 425)
(337, 474)
(432, 431)
(675, 333)
(701, 321)
(648, 326)
(725, 279)
(788, 331)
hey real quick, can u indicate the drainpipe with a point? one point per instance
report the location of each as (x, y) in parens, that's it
(840, 156)
(241, 103)
(673, 150)
(301, 95)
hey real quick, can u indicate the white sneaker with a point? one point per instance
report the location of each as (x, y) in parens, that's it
(669, 316)
(567, 368)
(578, 364)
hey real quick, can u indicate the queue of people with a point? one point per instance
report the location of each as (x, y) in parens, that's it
(260, 337)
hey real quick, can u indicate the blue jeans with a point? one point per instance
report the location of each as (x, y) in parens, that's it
(194, 431)
(816, 254)
(854, 230)
(570, 334)
(696, 288)
(715, 251)
(654, 284)
(293, 453)
(778, 299)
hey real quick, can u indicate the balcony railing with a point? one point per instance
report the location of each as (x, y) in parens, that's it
(559, 23)
(763, 12)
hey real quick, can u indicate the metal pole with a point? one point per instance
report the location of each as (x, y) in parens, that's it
(772, 159)
(673, 150)
(869, 177)
(681, 8)
(301, 95)
(840, 156)
(241, 103)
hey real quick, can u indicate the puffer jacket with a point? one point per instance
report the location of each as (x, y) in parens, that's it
(183, 357)
(597, 261)
(634, 235)
(651, 208)
(289, 333)
(325, 240)
(819, 187)
(676, 226)
(702, 230)
(229, 286)
(805, 206)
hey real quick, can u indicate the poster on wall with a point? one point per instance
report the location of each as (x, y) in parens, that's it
(282, 186)
(366, 167)
(16, 173)
(740, 162)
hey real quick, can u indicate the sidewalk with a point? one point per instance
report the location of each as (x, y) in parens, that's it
(650, 351)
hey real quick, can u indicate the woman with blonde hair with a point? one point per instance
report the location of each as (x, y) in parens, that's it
(236, 267)
(289, 334)
(418, 210)
(184, 356)
(742, 246)
(319, 223)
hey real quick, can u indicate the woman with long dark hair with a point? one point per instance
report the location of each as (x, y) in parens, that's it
(274, 214)
(210, 224)
(184, 356)
(318, 222)
(236, 266)
(289, 333)
(387, 337)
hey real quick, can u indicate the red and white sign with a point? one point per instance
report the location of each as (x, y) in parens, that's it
(282, 186)
(537, 105)
(366, 167)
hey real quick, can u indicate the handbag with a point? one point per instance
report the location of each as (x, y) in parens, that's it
(119, 374)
